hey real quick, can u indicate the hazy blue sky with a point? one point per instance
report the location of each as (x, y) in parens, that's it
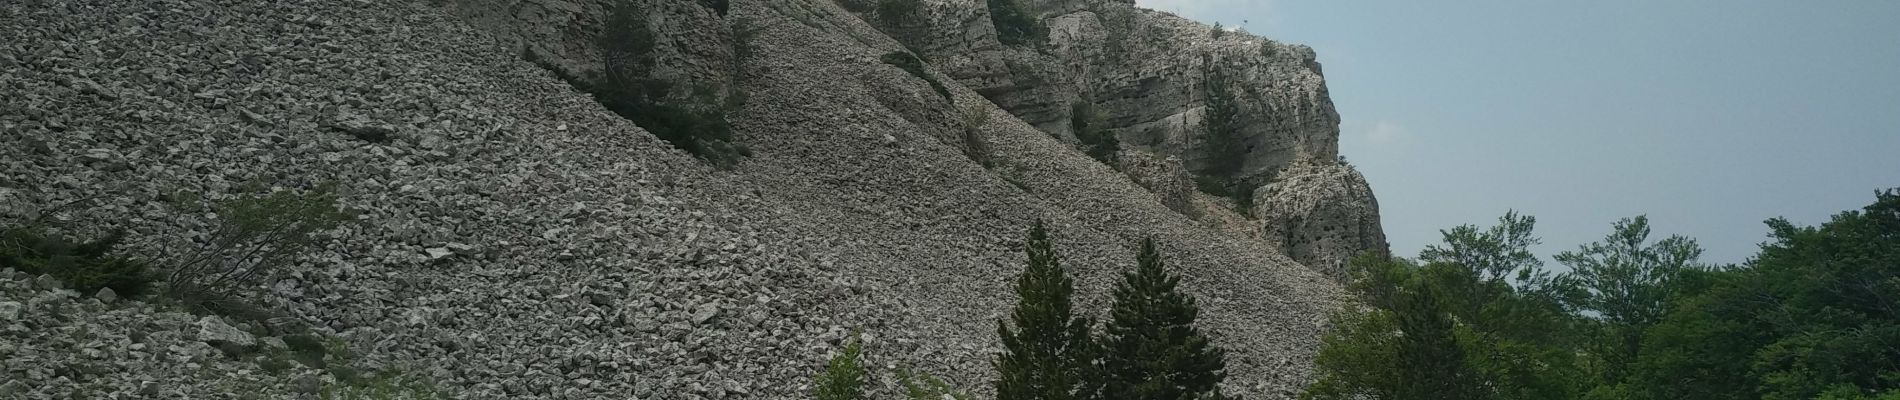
(1709, 116)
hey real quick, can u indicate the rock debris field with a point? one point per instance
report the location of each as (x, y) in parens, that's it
(514, 240)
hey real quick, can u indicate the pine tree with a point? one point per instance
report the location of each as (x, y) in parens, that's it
(1049, 355)
(1151, 349)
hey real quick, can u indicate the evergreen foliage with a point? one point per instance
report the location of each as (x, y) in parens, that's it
(910, 63)
(697, 124)
(718, 6)
(1222, 142)
(258, 237)
(975, 117)
(919, 386)
(901, 15)
(843, 378)
(1097, 141)
(1049, 355)
(1015, 25)
(85, 266)
(1151, 348)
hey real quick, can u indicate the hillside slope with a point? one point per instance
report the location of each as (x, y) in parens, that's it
(517, 240)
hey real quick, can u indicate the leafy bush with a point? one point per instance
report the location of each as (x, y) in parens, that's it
(919, 386)
(85, 266)
(910, 63)
(1014, 24)
(843, 378)
(1096, 140)
(258, 236)
(974, 118)
(719, 6)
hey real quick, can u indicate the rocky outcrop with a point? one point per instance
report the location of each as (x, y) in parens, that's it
(1165, 176)
(1145, 70)
(1321, 214)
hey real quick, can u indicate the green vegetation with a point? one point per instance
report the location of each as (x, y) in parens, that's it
(844, 376)
(1097, 141)
(1812, 316)
(975, 116)
(1015, 25)
(85, 266)
(1049, 354)
(899, 15)
(910, 63)
(1151, 348)
(696, 124)
(719, 6)
(919, 386)
(258, 236)
(1223, 143)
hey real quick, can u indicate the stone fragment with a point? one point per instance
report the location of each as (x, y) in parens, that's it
(365, 130)
(10, 311)
(213, 330)
(106, 295)
(46, 282)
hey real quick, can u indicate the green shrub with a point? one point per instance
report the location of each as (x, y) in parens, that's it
(920, 386)
(698, 126)
(974, 118)
(901, 14)
(1096, 140)
(910, 63)
(85, 266)
(719, 6)
(257, 237)
(1014, 24)
(1222, 143)
(843, 378)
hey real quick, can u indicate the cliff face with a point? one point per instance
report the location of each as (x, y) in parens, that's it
(1146, 70)
(1149, 72)
(519, 240)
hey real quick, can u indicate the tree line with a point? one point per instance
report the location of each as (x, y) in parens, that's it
(1815, 314)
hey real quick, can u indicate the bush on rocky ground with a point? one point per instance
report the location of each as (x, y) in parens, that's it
(910, 63)
(843, 378)
(1096, 140)
(85, 266)
(1226, 149)
(921, 386)
(258, 236)
(974, 118)
(695, 123)
(1015, 25)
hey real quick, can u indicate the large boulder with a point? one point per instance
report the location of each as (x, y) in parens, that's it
(1321, 214)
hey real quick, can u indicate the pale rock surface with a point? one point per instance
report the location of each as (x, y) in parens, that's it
(1321, 214)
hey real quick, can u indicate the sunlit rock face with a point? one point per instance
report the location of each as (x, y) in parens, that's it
(1321, 214)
